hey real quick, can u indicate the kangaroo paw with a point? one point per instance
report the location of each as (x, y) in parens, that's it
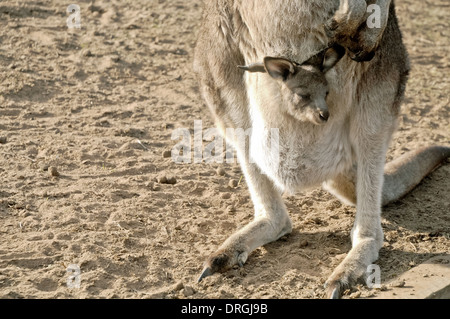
(350, 28)
(362, 55)
(331, 27)
(347, 18)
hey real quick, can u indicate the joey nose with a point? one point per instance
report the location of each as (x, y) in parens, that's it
(324, 115)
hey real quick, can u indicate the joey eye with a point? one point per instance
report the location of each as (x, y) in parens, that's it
(305, 96)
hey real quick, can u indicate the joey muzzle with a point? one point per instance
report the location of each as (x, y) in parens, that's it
(324, 115)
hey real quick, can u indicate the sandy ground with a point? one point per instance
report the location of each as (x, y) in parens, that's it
(100, 103)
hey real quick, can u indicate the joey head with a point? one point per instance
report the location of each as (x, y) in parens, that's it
(304, 88)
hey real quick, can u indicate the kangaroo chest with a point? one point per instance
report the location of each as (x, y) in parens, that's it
(292, 28)
(303, 156)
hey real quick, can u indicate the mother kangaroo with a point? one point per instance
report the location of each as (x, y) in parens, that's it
(345, 151)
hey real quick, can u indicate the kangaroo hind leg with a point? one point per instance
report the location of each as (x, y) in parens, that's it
(271, 222)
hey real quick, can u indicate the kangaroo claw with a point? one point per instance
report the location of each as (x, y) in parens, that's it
(362, 56)
(242, 258)
(334, 289)
(217, 262)
(330, 27)
(207, 271)
(335, 294)
(222, 261)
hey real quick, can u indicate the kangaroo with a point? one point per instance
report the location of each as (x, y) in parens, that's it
(343, 150)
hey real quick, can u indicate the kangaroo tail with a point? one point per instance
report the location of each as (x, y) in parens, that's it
(404, 173)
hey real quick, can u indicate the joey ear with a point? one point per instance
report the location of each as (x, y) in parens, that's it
(253, 68)
(332, 56)
(279, 68)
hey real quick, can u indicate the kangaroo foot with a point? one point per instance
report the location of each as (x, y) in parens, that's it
(353, 268)
(222, 260)
(235, 250)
